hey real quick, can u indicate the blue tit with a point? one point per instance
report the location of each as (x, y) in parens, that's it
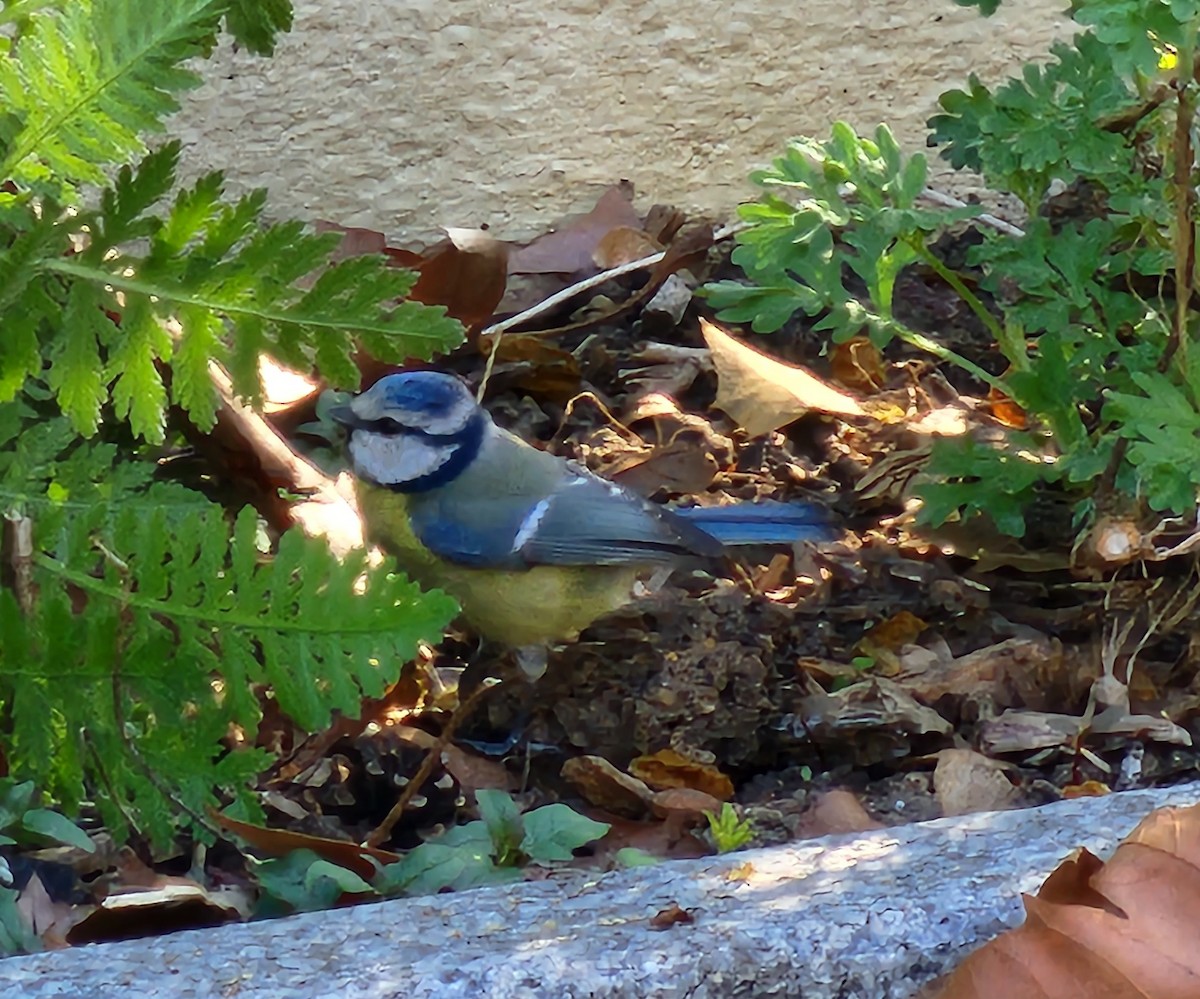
(533, 547)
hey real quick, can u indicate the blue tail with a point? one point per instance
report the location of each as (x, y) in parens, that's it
(768, 522)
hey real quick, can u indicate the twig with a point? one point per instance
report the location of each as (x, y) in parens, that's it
(21, 556)
(382, 831)
(949, 201)
(595, 280)
(499, 329)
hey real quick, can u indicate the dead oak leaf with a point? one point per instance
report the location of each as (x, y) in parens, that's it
(761, 393)
(570, 249)
(1115, 929)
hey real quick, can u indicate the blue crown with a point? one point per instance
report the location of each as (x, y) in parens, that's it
(431, 392)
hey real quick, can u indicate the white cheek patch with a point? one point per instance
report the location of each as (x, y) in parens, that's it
(394, 460)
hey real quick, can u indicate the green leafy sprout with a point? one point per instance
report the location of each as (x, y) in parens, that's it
(489, 851)
(1090, 316)
(729, 829)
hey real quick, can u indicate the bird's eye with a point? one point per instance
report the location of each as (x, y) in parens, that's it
(384, 425)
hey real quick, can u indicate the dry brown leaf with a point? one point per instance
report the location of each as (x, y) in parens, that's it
(874, 704)
(1006, 411)
(668, 768)
(474, 772)
(356, 241)
(623, 245)
(857, 364)
(690, 247)
(536, 364)
(902, 628)
(604, 786)
(762, 394)
(467, 273)
(833, 812)
(176, 904)
(965, 782)
(672, 915)
(680, 466)
(1125, 928)
(569, 249)
(1088, 789)
(666, 839)
(51, 921)
(278, 842)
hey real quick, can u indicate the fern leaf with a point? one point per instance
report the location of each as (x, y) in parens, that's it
(180, 618)
(256, 23)
(123, 206)
(138, 391)
(199, 342)
(87, 80)
(76, 372)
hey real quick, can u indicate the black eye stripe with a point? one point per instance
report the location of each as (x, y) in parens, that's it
(393, 428)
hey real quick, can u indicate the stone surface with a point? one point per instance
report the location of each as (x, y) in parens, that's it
(409, 116)
(873, 915)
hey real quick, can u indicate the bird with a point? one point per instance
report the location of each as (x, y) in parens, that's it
(532, 546)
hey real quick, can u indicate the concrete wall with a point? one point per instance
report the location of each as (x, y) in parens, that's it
(407, 116)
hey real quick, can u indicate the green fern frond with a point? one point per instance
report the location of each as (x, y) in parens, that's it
(176, 619)
(210, 264)
(256, 23)
(214, 285)
(84, 82)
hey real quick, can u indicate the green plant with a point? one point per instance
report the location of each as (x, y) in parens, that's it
(139, 616)
(22, 820)
(1091, 315)
(488, 851)
(729, 830)
(304, 882)
(491, 849)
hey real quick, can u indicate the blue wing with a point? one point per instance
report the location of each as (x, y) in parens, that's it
(585, 521)
(767, 522)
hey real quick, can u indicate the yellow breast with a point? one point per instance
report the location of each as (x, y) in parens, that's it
(517, 607)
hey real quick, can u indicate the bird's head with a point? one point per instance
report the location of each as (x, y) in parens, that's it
(413, 431)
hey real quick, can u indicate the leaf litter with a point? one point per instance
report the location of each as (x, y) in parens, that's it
(898, 673)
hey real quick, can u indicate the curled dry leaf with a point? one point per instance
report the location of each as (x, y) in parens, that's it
(604, 786)
(761, 393)
(672, 915)
(875, 704)
(571, 248)
(670, 302)
(965, 782)
(684, 804)
(857, 364)
(1125, 928)
(668, 768)
(174, 905)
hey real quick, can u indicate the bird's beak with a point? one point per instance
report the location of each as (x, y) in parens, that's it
(346, 416)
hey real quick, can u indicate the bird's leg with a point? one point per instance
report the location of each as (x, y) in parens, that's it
(533, 660)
